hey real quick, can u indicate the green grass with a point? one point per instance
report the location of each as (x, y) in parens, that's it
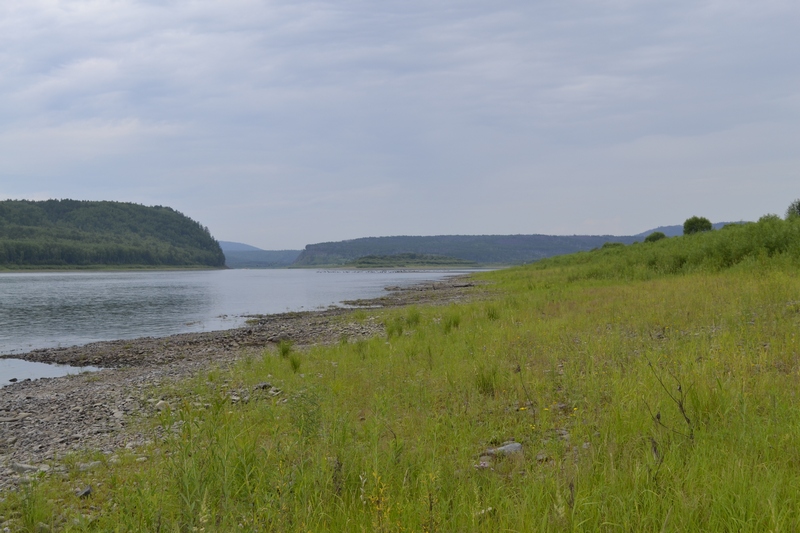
(646, 399)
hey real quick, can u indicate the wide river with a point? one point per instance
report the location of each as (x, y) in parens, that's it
(45, 310)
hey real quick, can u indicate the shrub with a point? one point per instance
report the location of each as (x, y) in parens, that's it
(793, 210)
(284, 348)
(451, 322)
(655, 236)
(696, 225)
(486, 380)
(394, 327)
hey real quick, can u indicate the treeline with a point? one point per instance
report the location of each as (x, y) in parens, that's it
(483, 249)
(64, 233)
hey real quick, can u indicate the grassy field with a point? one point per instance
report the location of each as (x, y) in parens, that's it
(652, 387)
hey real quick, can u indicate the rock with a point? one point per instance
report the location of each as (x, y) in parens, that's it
(16, 418)
(83, 467)
(162, 405)
(507, 448)
(483, 463)
(22, 468)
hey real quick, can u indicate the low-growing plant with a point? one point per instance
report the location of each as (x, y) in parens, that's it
(451, 321)
(413, 316)
(285, 348)
(486, 379)
(394, 326)
(294, 361)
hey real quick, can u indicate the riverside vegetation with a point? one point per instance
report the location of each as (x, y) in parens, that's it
(650, 387)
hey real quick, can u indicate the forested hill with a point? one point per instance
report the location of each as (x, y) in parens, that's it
(484, 249)
(72, 233)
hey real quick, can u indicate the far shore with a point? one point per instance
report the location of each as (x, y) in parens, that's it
(101, 268)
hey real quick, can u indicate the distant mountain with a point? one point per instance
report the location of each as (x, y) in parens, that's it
(73, 233)
(260, 258)
(675, 231)
(228, 246)
(483, 249)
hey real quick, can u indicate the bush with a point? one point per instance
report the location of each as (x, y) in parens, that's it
(793, 210)
(655, 236)
(696, 225)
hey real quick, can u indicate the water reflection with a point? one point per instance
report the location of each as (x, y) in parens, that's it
(14, 370)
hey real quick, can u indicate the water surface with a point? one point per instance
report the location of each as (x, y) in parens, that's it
(51, 309)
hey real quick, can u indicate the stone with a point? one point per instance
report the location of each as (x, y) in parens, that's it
(507, 448)
(22, 468)
(83, 467)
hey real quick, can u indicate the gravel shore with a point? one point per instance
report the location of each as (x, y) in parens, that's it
(42, 420)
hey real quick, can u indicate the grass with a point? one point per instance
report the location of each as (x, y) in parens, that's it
(644, 399)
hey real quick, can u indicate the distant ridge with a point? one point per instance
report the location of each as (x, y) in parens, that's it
(675, 231)
(482, 249)
(228, 246)
(90, 234)
(395, 250)
(256, 258)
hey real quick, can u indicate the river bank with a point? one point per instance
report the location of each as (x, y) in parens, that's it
(43, 420)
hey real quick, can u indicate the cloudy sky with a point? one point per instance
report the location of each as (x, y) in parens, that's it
(287, 122)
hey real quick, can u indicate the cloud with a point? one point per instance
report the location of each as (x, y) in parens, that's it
(417, 117)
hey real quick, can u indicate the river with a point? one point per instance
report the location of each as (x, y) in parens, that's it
(51, 309)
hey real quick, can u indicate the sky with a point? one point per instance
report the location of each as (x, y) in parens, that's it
(286, 123)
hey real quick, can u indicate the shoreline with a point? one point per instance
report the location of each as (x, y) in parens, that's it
(109, 268)
(44, 419)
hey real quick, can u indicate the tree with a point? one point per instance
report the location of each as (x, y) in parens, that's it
(655, 236)
(793, 210)
(696, 225)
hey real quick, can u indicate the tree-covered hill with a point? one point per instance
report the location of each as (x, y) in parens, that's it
(484, 249)
(72, 233)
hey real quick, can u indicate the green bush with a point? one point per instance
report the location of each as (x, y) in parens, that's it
(696, 225)
(793, 210)
(655, 236)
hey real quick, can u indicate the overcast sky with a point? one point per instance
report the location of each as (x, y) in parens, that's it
(284, 123)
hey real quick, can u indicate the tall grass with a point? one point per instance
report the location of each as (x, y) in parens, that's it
(644, 401)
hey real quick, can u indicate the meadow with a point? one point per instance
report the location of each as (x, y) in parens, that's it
(651, 387)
